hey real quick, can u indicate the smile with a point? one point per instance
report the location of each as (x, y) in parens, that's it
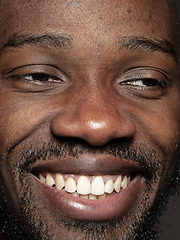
(87, 187)
(81, 199)
(90, 187)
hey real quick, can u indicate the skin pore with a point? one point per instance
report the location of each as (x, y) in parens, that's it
(87, 88)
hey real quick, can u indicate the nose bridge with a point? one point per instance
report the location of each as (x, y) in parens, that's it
(94, 118)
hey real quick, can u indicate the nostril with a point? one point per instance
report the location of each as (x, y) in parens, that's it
(94, 123)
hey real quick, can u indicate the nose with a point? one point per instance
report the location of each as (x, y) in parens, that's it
(94, 119)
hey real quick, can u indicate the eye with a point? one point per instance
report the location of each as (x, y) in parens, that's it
(147, 82)
(37, 78)
(144, 82)
(41, 77)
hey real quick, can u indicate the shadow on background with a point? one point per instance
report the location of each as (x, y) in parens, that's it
(170, 227)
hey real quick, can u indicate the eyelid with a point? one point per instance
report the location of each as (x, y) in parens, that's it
(25, 70)
(153, 83)
(145, 83)
(141, 73)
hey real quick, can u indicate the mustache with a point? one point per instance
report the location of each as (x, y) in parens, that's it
(148, 159)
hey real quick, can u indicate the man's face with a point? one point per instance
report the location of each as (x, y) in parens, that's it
(87, 88)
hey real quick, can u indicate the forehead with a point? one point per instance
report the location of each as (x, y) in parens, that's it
(97, 21)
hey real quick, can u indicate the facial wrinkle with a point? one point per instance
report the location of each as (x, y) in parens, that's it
(147, 231)
(31, 154)
(148, 158)
(93, 230)
(88, 230)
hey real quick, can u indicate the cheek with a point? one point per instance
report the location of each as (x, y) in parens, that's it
(19, 119)
(163, 128)
(160, 127)
(159, 120)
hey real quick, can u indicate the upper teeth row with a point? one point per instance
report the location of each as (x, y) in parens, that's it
(84, 186)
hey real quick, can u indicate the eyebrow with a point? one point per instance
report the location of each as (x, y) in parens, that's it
(146, 45)
(140, 44)
(46, 41)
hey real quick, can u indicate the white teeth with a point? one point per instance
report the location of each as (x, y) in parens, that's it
(111, 194)
(97, 186)
(42, 178)
(124, 183)
(102, 196)
(84, 188)
(92, 197)
(75, 194)
(70, 185)
(84, 196)
(83, 185)
(49, 180)
(117, 184)
(59, 181)
(109, 186)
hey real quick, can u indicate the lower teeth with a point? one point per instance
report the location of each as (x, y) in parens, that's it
(88, 196)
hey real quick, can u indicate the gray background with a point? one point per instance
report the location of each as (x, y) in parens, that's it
(170, 227)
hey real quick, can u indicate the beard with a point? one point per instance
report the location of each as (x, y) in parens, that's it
(143, 227)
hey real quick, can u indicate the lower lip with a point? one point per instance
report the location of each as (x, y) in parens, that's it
(93, 210)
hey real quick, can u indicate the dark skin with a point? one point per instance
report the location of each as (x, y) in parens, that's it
(104, 76)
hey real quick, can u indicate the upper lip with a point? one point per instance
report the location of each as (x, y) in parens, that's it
(88, 165)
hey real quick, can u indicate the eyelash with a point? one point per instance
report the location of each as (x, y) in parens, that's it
(38, 77)
(147, 82)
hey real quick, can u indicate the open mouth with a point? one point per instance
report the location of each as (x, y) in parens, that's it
(87, 197)
(87, 187)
